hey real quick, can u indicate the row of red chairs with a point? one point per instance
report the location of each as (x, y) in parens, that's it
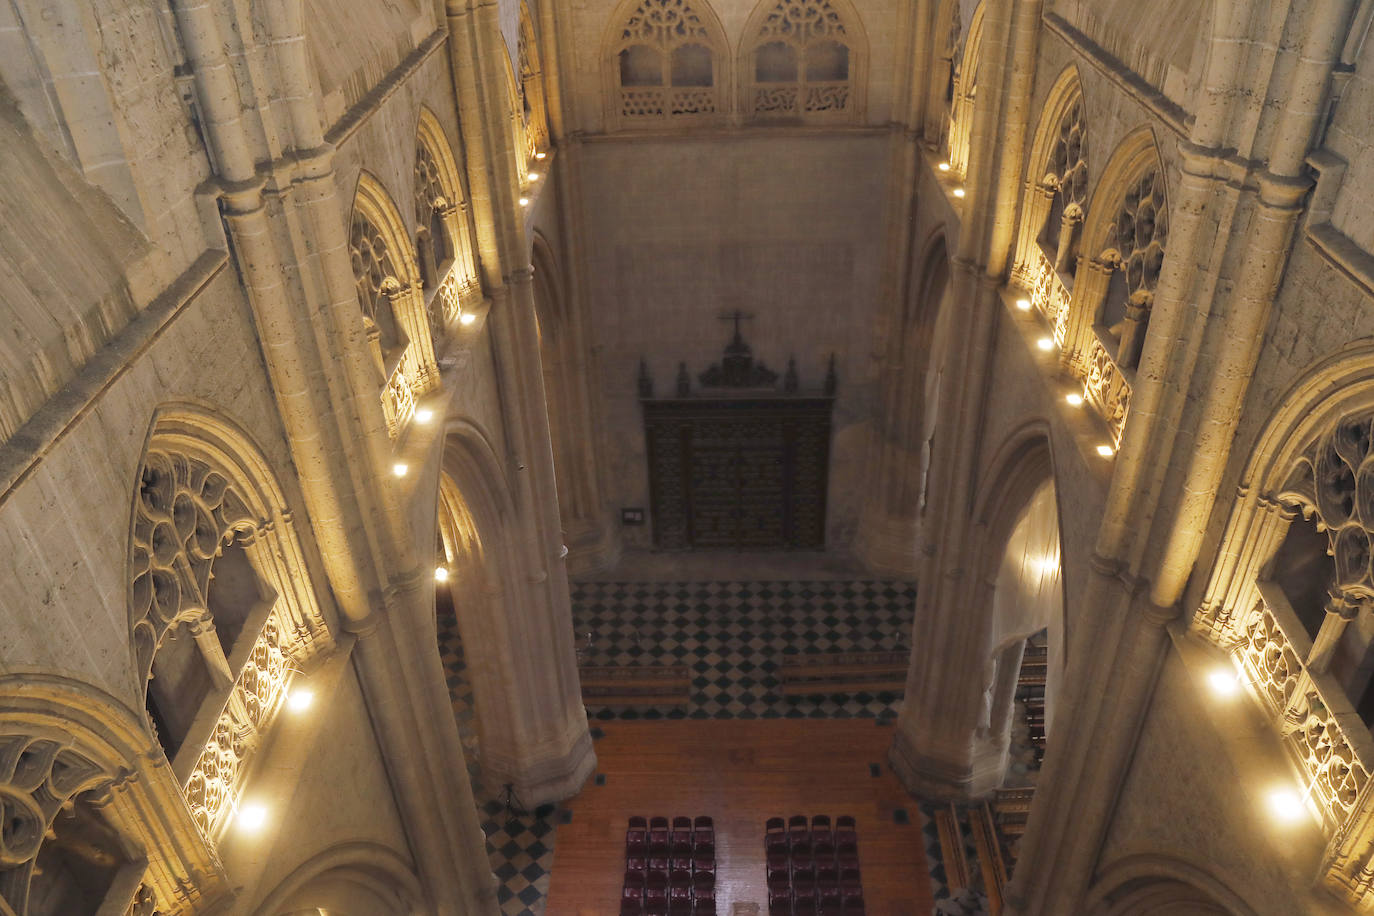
(686, 837)
(812, 867)
(670, 868)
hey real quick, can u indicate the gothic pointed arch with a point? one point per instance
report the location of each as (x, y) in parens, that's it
(1144, 884)
(222, 611)
(447, 259)
(964, 92)
(665, 63)
(94, 820)
(1055, 200)
(803, 60)
(391, 296)
(379, 874)
(1304, 501)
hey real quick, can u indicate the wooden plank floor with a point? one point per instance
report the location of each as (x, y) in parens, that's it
(740, 772)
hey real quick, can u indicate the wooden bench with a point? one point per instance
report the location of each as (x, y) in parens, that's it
(636, 685)
(844, 672)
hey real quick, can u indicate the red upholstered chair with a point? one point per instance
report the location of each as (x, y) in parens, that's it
(703, 821)
(777, 865)
(658, 841)
(854, 904)
(779, 902)
(659, 864)
(703, 864)
(636, 842)
(658, 823)
(824, 852)
(775, 825)
(775, 842)
(682, 822)
(633, 891)
(706, 907)
(803, 904)
(827, 875)
(703, 886)
(680, 863)
(845, 831)
(829, 898)
(637, 822)
(630, 907)
(656, 893)
(637, 863)
(798, 826)
(849, 881)
(846, 857)
(656, 907)
(680, 906)
(682, 842)
(820, 822)
(704, 839)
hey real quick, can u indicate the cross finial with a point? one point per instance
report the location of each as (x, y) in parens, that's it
(736, 316)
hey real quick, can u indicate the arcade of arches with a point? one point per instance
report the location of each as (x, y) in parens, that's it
(435, 431)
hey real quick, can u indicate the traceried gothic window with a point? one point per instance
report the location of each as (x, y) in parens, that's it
(375, 273)
(432, 244)
(963, 92)
(533, 104)
(665, 64)
(1135, 249)
(803, 61)
(1066, 179)
(207, 643)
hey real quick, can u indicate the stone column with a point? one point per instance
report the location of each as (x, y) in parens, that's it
(546, 753)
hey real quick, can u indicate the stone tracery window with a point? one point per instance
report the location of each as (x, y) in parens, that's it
(964, 92)
(375, 275)
(221, 615)
(1136, 250)
(1066, 179)
(664, 64)
(532, 102)
(444, 236)
(804, 61)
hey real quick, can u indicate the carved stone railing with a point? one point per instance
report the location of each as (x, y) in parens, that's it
(794, 100)
(1048, 293)
(216, 781)
(1106, 388)
(1105, 385)
(398, 400)
(667, 102)
(1320, 729)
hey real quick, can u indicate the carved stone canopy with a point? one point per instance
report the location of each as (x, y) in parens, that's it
(1333, 482)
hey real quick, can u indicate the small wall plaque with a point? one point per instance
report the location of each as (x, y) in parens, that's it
(631, 516)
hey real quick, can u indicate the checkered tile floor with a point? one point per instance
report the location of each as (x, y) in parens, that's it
(733, 636)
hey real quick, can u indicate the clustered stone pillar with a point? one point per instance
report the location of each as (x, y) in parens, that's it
(546, 753)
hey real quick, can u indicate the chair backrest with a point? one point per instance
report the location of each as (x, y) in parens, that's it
(774, 825)
(797, 820)
(638, 822)
(682, 822)
(845, 820)
(820, 821)
(703, 820)
(658, 823)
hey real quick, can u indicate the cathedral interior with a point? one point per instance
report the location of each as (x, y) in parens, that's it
(679, 457)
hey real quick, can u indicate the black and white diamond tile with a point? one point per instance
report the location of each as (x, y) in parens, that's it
(734, 635)
(519, 845)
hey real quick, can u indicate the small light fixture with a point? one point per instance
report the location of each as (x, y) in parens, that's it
(299, 699)
(944, 166)
(424, 415)
(1106, 451)
(1045, 343)
(534, 176)
(441, 574)
(1285, 805)
(467, 318)
(524, 201)
(252, 817)
(1223, 683)
(540, 155)
(1074, 399)
(400, 469)
(1023, 304)
(958, 192)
